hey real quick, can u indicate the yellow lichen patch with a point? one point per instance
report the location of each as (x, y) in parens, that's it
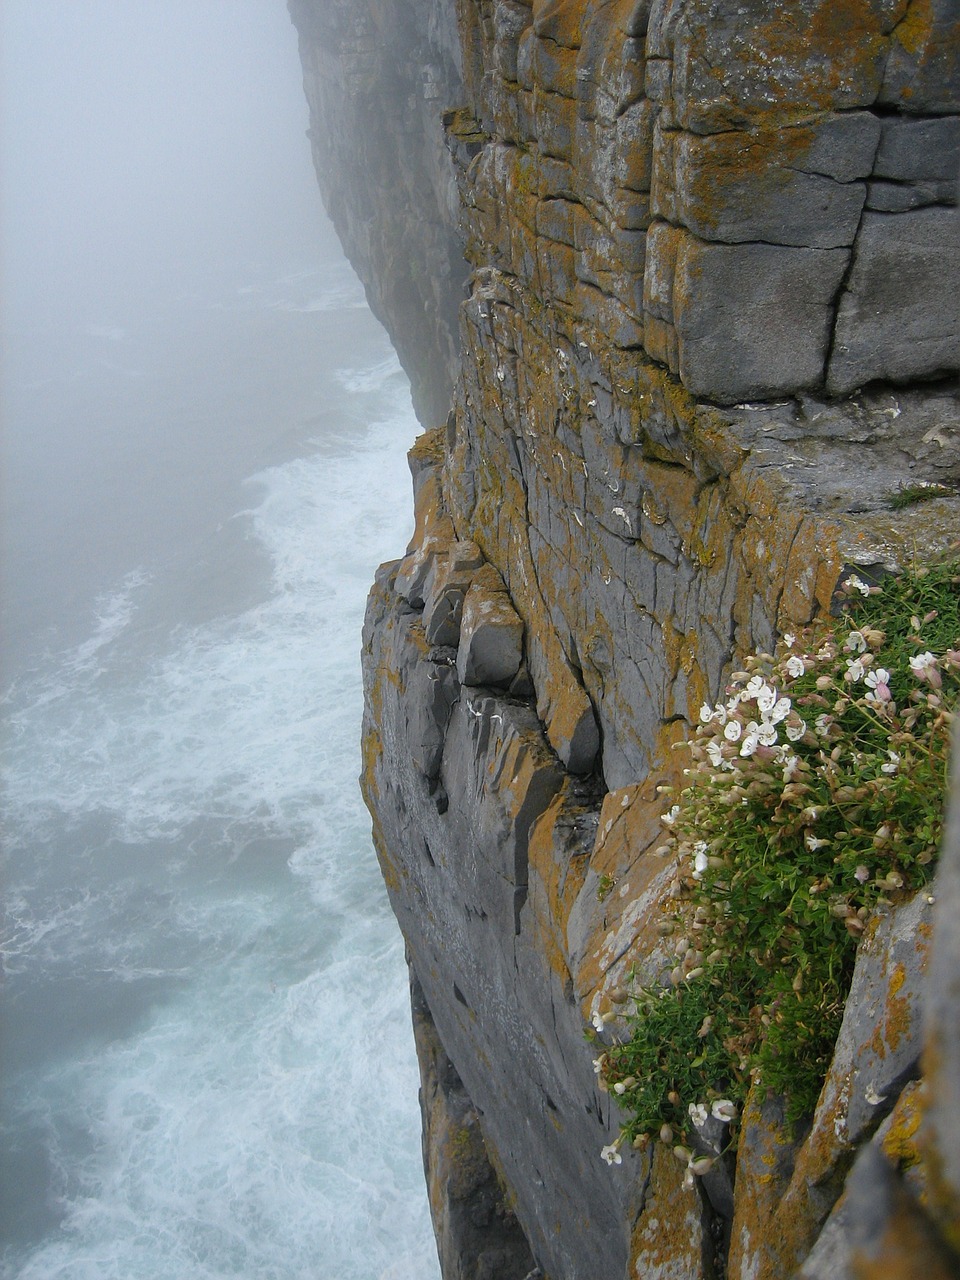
(812, 569)
(553, 889)
(900, 1129)
(764, 1163)
(625, 920)
(915, 32)
(668, 1239)
(560, 20)
(896, 1022)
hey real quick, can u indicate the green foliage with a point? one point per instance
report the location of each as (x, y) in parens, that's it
(814, 795)
(604, 885)
(908, 495)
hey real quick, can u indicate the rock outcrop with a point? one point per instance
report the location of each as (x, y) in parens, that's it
(677, 283)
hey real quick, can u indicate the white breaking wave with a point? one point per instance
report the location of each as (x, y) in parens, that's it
(258, 1118)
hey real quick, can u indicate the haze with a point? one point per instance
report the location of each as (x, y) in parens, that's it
(153, 158)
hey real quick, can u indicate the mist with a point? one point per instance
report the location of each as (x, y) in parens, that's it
(146, 141)
(153, 153)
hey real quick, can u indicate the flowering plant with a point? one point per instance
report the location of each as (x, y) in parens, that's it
(814, 795)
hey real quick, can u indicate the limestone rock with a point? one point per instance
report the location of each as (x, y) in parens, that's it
(708, 332)
(908, 265)
(491, 637)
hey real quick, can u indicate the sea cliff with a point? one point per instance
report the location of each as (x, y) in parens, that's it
(677, 285)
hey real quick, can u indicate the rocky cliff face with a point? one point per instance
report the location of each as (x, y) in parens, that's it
(709, 258)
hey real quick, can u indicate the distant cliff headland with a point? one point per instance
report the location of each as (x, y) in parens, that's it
(677, 286)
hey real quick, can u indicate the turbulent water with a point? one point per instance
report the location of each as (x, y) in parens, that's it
(206, 1056)
(207, 1044)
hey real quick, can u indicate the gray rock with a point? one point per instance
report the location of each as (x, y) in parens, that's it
(753, 320)
(491, 638)
(913, 150)
(880, 1040)
(431, 693)
(788, 186)
(899, 314)
(922, 72)
(898, 197)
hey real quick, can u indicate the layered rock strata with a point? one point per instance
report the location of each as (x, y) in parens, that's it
(711, 327)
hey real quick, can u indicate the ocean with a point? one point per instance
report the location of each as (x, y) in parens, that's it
(207, 1059)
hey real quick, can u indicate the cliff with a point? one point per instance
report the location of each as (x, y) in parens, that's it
(676, 284)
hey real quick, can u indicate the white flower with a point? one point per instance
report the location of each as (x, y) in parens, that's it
(892, 765)
(795, 666)
(619, 1088)
(671, 815)
(733, 730)
(751, 739)
(858, 584)
(706, 713)
(879, 682)
(598, 1022)
(855, 642)
(823, 723)
(767, 734)
(700, 860)
(698, 1113)
(854, 671)
(715, 752)
(924, 665)
(813, 843)
(796, 730)
(725, 1110)
(779, 711)
(789, 639)
(611, 1154)
(862, 874)
(598, 1064)
(767, 698)
(753, 686)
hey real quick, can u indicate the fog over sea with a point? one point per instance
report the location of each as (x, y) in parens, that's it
(207, 1062)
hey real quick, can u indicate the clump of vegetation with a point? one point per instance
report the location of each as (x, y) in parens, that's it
(814, 795)
(908, 495)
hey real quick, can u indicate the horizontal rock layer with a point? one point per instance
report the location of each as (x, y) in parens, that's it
(710, 329)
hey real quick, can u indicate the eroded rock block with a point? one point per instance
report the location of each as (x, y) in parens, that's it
(795, 186)
(491, 636)
(446, 585)
(753, 320)
(431, 691)
(671, 1240)
(899, 316)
